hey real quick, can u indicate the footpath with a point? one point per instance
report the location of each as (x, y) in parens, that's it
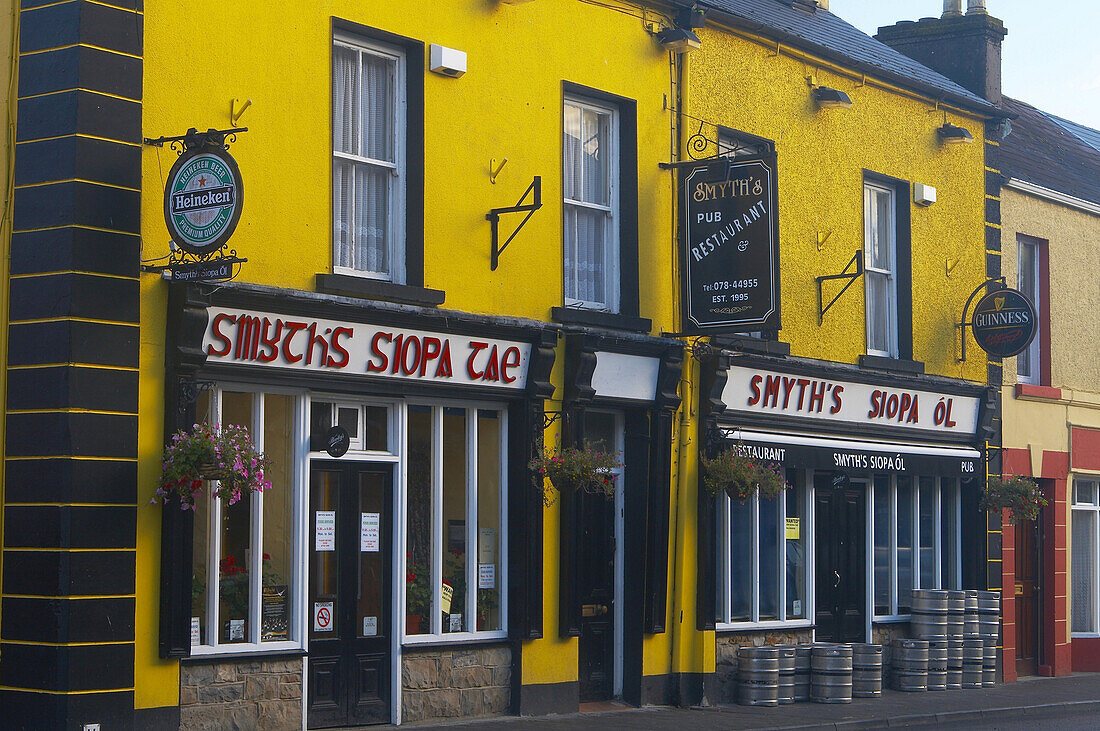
(1033, 698)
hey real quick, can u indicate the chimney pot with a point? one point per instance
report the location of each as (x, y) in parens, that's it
(952, 8)
(823, 4)
(975, 7)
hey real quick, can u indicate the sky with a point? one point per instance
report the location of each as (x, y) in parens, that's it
(1050, 57)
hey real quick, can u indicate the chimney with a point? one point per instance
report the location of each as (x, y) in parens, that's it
(823, 4)
(964, 48)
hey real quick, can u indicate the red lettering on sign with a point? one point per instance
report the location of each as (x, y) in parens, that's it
(837, 390)
(376, 352)
(444, 369)
(293, 328)
(337, 348)
(408, 368)
(215, 329)
(270, 342)
(492, 372)
(754, 387)
(476, 347)
(511, 360)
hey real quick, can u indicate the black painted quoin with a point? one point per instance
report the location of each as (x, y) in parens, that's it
(730, 247)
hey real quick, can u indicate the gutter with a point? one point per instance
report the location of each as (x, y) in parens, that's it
(1054, 196)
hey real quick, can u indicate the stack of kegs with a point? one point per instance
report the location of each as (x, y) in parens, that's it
(866, 671)
(758, 676)
(989, 662)
(937, 662)
(970, 612)
(956, 613)
(788, 656)
(973, 660)
(831, 673)
(929, 613)
(802, 672)
(909, 666)
(989, 613)
(954, 663)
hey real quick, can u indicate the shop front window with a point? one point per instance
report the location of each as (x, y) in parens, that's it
(454, 529)
(243, 570)
(762, 552)
(915, 532)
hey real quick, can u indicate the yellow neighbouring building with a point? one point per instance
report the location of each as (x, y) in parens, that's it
(401, 372)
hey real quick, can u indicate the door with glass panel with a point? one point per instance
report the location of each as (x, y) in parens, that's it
(349, 594)
(840, 520)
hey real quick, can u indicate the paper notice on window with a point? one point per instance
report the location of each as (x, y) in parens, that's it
(325, 530)
(793, 529)
(196, 631)
(455, 623)
(370, 626)
(322, 616)
(796, 607)
(236, 630)
(368, 532)
(487, 545)
(445, 597)
(486, 576)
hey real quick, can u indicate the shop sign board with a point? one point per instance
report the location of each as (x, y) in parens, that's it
(772, 393)
(203, 199)
(264, 339)
(730, 249)
(1004, 322)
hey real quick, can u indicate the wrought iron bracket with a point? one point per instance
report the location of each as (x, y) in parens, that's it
(193, 139)
(549, 417)
(844, 274)
(493, 216)
(180, 261)
(961, 326)
(189, 390)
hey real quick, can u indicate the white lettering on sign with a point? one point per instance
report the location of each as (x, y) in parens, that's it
(749, 390)
(301, 343)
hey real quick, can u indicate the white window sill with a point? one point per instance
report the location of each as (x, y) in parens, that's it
(246, 648)
(364, 274)
(891, 619)
(772, 624)
(454, 638)
(1084, 635)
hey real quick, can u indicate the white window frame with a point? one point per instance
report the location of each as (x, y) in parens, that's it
(725, 621)
(870, 190)
(1022, 277)
(211, 644)
(1093, 509)
(612, 212)
(436, 635)
(938, 542)
(398, 168)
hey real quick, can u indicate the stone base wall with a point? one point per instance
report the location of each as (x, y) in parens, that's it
(241, 694)
(884, 634)
(723, 687)
(464, 682)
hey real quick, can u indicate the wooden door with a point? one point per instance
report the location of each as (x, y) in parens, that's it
(1028, 596)
(840, 524)
(596, 591)
(349, 595)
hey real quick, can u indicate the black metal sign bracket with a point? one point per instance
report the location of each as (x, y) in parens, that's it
(493, 216)
(961, 326)
(192, 138)
(844, 274)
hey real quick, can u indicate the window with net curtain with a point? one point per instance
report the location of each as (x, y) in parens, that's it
(880, 275)
(1085, 549)
(589, 188)
(368, 166)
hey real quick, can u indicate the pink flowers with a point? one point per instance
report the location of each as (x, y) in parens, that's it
(222, 457)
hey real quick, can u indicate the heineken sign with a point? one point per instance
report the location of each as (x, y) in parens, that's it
(1004, 322)
(203, 199)
(730, 249)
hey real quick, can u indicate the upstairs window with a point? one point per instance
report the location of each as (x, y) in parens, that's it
(590, 187)
(368, 166)
(1028, 365)
(880, 269)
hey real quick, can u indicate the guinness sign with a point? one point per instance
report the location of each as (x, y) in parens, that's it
(1004, 322)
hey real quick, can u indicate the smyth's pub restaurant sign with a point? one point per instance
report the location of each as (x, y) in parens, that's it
(731, 246)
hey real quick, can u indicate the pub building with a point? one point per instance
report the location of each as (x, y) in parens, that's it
(884, 474)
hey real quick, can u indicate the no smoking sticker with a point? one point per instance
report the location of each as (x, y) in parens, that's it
(322, 616)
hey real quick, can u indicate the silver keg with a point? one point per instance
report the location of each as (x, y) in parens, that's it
(802, 672)
(909, 665)
(831, 674)
(973, 659)
(970, 613)
(866, 671)
(956, 611)
(928, 615)
(989, 613)
(787, 658)
(954, 663)
(989, 662)
(757, 676)
(937, 662)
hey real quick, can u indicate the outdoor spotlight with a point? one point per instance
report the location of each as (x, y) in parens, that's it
(949, 134)
(826, 96)
(678, 40)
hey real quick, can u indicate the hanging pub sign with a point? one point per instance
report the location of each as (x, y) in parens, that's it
(730, 249)
(1004, 322)
(203, 199)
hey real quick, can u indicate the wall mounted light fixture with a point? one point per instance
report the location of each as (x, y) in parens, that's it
(826, 96)
(949, 134)
(678, 40)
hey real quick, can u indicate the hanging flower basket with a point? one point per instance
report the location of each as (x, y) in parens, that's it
(1020, 495)
(741, 477)
(209, 454)
(588, 469)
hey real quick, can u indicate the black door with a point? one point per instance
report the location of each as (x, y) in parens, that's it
(840, 523)
(349, 594)
(596, 591)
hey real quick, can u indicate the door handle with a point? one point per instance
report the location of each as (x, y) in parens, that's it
(837, 582)
(593, 610)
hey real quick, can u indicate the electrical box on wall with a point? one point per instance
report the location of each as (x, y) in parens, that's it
(447, 61)
(923, 195)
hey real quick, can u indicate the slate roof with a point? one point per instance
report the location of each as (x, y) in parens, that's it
(831, 37)
(1049, 151)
